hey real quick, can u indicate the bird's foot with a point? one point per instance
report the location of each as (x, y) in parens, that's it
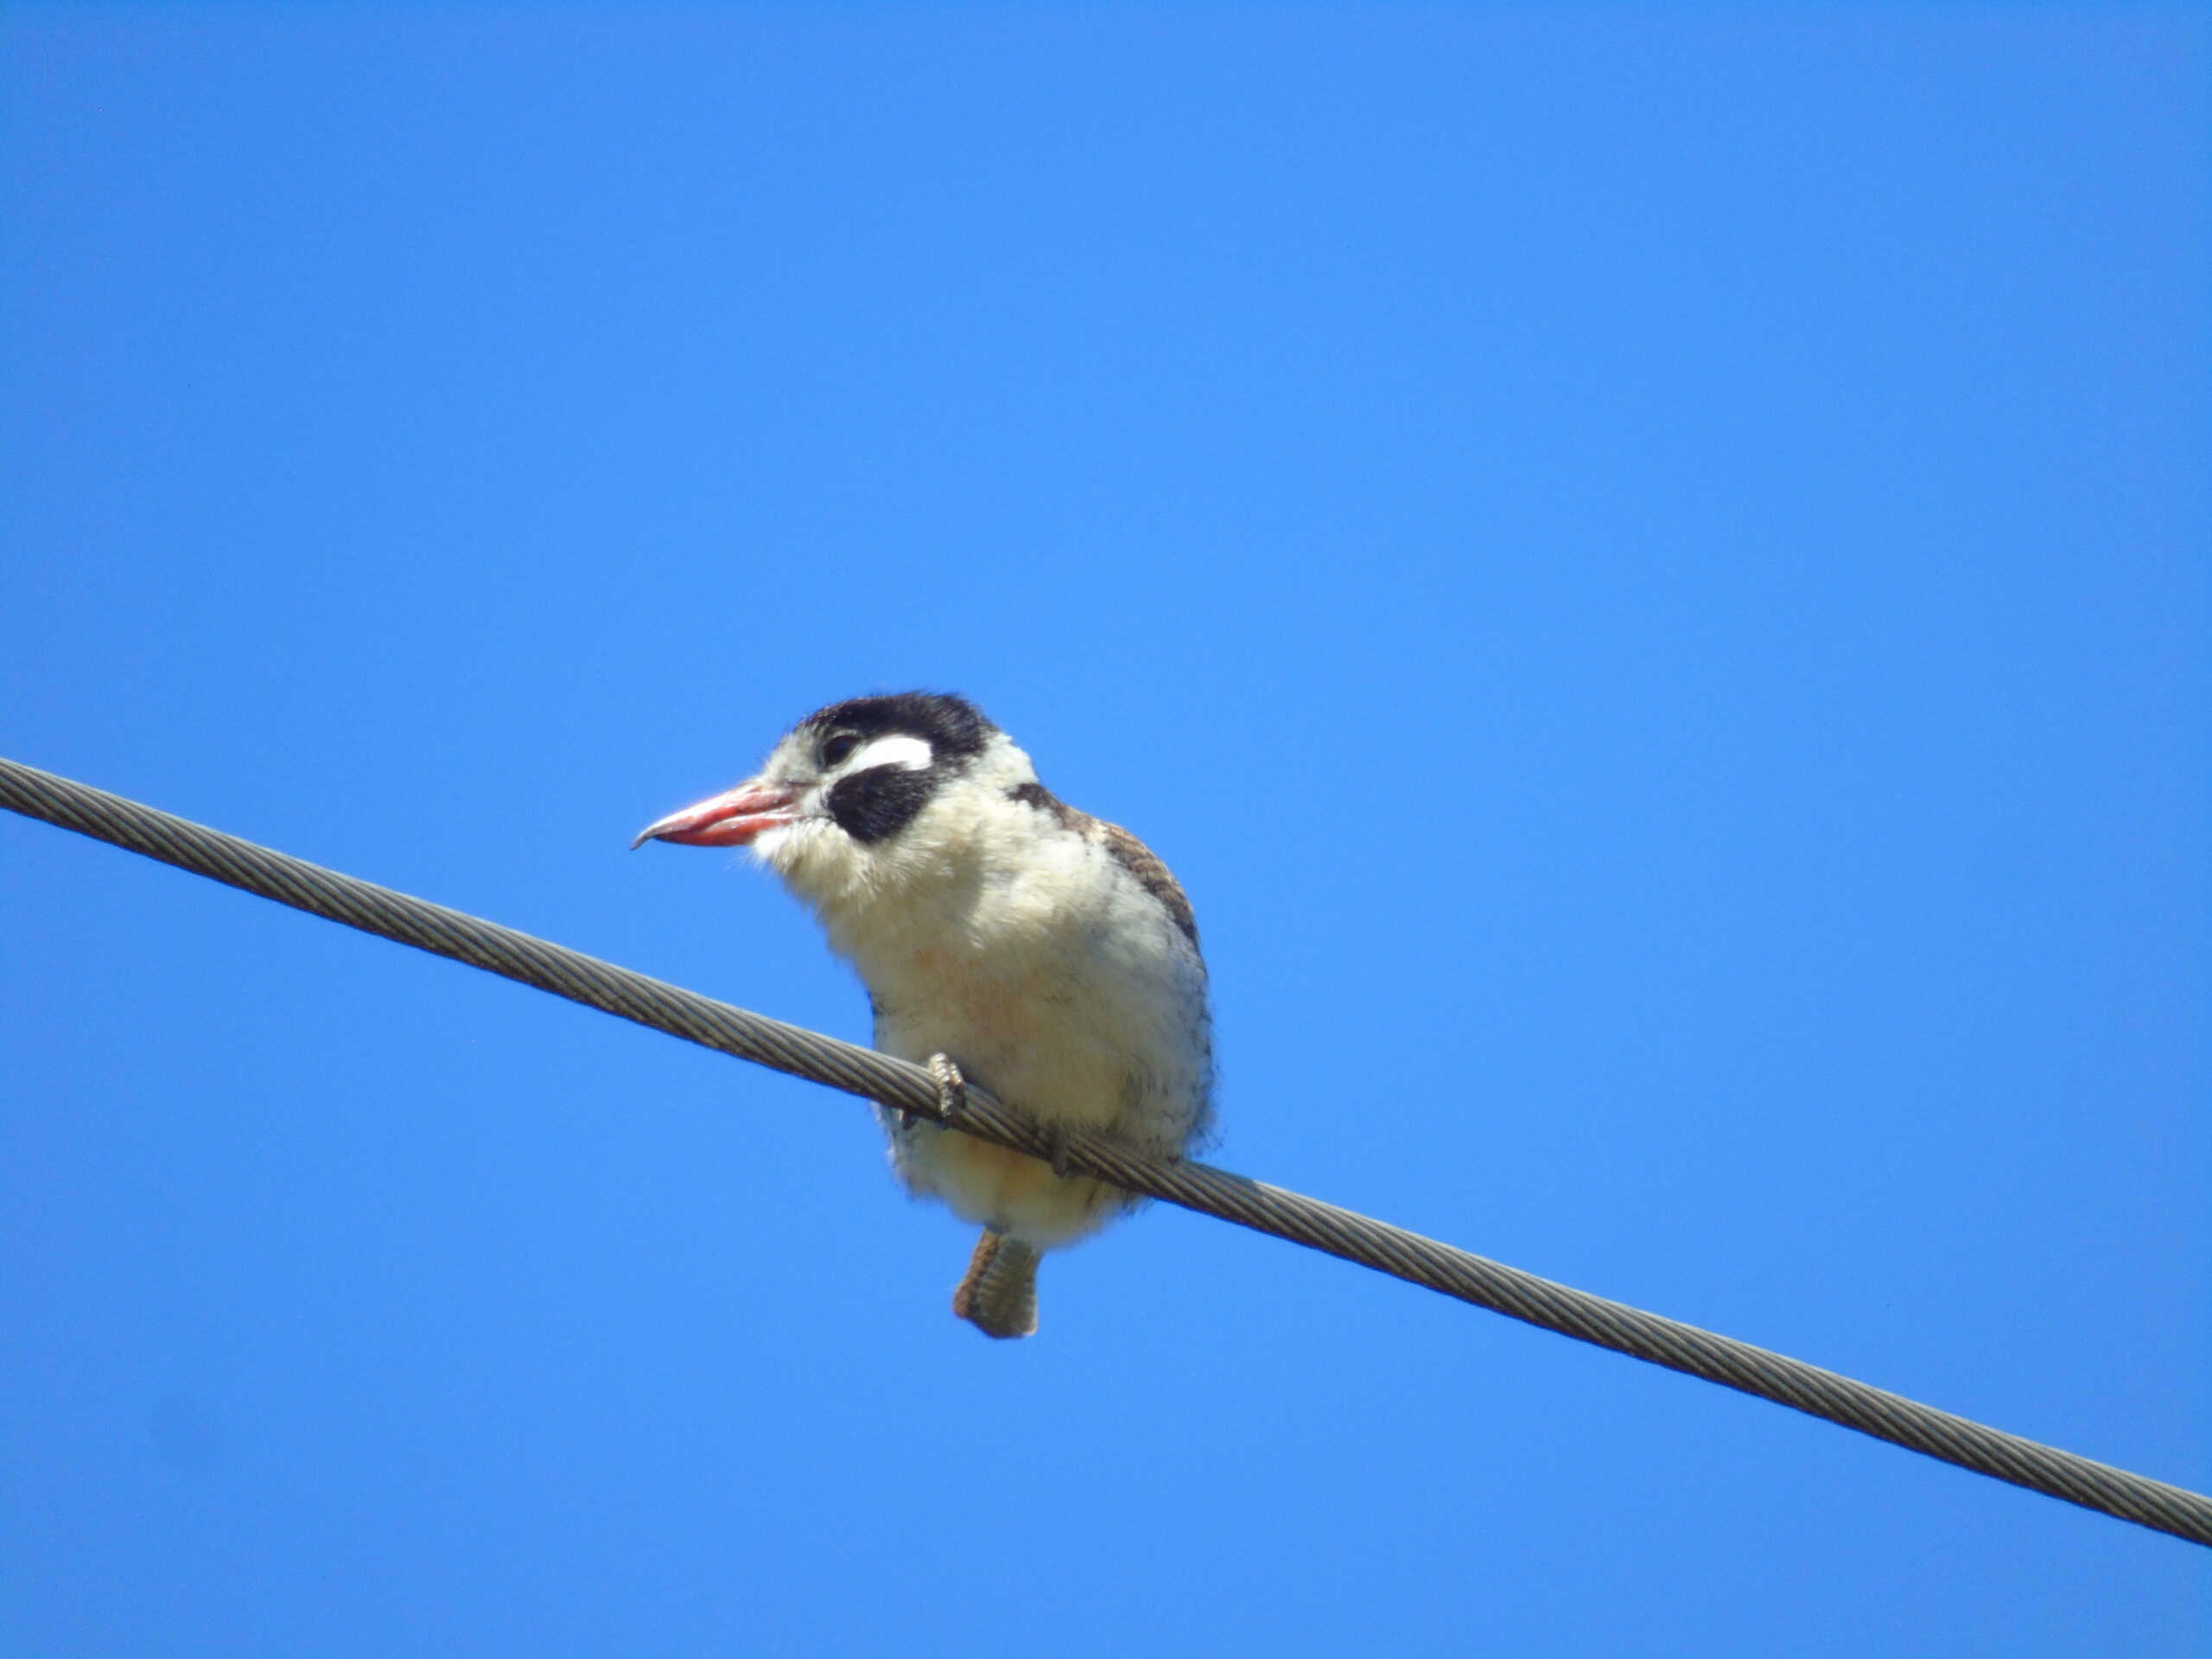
(1056, 1150)
(951, 1088)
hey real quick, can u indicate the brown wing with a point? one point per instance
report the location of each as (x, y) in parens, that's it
(1128, 851)
(1152, 875)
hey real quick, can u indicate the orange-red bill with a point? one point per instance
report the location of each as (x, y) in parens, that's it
(732, 818)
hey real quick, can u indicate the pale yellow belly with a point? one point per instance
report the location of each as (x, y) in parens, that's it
(1045, 1053)
(992, 1187)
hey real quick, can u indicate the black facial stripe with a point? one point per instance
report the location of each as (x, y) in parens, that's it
(876, 804)
(954, 728)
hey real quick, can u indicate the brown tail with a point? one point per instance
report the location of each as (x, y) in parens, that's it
(999, 1295)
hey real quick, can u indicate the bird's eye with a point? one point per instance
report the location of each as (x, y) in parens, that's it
(838, 746)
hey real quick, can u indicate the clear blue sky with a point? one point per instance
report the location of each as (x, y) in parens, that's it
(1647, 566)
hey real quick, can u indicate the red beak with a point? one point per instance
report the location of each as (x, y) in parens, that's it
(730, 819)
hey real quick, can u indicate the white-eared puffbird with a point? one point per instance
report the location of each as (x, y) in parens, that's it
(1004, 937)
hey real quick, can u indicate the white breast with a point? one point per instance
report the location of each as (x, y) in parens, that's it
(992, 933)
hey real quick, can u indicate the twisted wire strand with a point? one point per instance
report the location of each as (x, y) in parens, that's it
(1193, 1186)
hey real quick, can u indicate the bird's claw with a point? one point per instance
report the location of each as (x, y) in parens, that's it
(1056, 1149)
(951, 1088)
(952, 1106)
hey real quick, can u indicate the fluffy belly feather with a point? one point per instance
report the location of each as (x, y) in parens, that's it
(992, 1187)
(1077, 1061)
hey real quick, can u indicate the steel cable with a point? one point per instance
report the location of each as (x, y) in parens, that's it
(1194, 1185)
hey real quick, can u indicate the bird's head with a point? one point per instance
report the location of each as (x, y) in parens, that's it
(830, 807)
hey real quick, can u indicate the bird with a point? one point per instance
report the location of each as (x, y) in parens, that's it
(1004, 938)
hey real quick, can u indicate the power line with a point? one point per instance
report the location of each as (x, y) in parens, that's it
(1194, 1185)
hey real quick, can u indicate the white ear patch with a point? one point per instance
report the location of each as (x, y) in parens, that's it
(911, 753)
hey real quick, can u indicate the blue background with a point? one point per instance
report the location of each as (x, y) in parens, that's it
(1645, 566)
